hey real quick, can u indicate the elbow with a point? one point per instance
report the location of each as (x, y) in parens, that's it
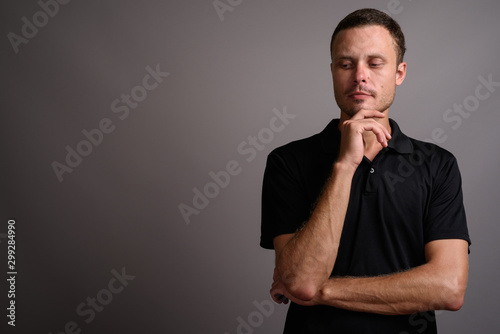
(304, 291)
(455, 296)
(455, 300)
(454, 304)
(298, 286)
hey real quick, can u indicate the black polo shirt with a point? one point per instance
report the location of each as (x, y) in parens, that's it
(408, 195)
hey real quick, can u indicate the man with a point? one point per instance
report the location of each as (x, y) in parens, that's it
(367, 224)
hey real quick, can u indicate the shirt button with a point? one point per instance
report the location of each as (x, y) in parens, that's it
(372, 170)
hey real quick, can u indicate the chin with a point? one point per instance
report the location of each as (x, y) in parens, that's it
(353, 110)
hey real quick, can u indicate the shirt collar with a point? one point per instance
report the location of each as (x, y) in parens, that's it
(330, 137)
(399, 141)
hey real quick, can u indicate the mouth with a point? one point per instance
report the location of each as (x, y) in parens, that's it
(359, 95)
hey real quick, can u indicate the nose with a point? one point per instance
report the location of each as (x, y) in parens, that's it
(360, 74)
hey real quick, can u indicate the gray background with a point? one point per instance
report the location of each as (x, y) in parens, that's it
(119, 207)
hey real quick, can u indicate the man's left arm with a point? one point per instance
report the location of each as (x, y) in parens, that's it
(439, 284)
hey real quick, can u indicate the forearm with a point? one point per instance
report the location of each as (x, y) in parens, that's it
(307, 259)
(420, 289)
(304, 261)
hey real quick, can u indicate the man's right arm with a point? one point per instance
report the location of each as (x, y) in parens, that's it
(305, 259)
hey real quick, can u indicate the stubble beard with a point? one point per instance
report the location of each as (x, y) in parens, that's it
(353, 108)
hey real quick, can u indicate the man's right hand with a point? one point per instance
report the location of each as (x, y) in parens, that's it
(352, 144)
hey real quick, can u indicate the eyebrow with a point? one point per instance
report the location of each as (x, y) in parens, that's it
(370, 56)
(342, 58)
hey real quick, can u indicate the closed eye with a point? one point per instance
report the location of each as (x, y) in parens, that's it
(345, 65)
(376, 62)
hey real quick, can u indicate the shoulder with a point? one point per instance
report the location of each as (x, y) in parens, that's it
(310, 147)
(418, 150)
(431, 152)
(299, 149)
(436, 162)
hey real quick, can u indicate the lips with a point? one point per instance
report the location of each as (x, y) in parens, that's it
(359, 95)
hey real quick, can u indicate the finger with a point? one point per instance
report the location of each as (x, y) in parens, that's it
(383, 136)
(381, 133)
(361, 126)
(278, 298)
(282, 298)
(376, 127)
(367, 113)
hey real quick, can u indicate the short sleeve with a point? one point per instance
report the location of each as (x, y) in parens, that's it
(284, 205)
(446, 215)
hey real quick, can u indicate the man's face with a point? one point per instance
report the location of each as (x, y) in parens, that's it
(364, 69)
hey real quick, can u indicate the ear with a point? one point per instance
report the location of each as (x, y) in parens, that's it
(401, 73)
